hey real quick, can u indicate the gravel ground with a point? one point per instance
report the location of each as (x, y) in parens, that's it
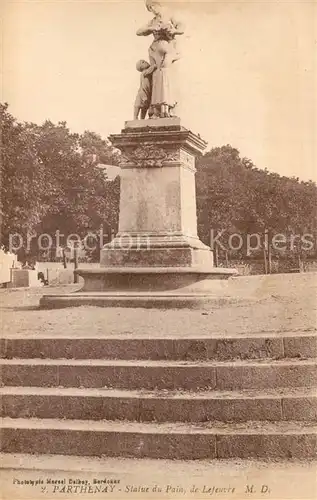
(273, 303)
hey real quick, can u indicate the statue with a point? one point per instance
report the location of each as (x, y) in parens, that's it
(163, 53)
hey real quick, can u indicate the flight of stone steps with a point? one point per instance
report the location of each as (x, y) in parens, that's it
(244, 396)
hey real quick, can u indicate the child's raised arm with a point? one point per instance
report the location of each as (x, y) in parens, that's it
(149, 70)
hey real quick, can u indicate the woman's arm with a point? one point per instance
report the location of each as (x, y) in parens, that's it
(146, 30)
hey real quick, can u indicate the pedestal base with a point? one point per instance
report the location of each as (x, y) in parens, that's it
(160, 288)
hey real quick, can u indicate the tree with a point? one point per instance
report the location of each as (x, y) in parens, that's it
(21, 179)
(79, 198)
(235, 196)
(52, 180)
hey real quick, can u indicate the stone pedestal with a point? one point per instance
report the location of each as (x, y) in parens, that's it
(156, 259)
(158, 221)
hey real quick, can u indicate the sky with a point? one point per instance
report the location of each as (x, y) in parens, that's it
(248, 73)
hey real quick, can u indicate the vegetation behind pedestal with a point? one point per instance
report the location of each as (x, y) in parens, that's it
(51, 179)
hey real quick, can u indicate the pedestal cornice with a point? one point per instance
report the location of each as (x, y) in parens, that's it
(165, 137)
(157, 143)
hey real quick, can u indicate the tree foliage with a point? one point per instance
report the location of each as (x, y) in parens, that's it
(235, 196)
(21, 177)
(51, 179)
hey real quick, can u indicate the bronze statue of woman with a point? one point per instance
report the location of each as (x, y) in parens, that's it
(163, 53)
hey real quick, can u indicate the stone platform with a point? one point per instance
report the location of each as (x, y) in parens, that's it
(146, 287)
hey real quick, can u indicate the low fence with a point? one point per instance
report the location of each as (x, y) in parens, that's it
(252, 267)
(56, 274)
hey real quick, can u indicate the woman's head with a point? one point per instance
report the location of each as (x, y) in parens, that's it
(154, 6)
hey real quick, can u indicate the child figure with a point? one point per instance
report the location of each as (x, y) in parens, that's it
(143, 98)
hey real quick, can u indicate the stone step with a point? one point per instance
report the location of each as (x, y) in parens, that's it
(149, 374)
(160, 406)
(273, 440)
(266, 345)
